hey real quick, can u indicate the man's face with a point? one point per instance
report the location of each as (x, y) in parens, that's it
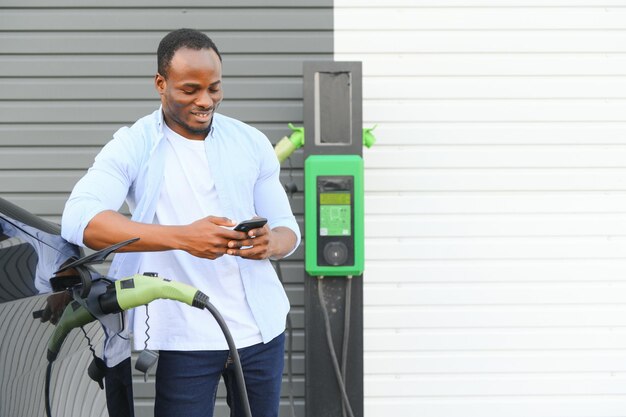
(192, 91)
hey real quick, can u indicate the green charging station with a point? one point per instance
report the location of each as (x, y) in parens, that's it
(333, 139)
(334, 215)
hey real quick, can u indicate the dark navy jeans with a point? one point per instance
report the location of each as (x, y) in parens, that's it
(119, 390)
(186, 382)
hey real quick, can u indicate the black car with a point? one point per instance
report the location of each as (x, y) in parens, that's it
(31, 251)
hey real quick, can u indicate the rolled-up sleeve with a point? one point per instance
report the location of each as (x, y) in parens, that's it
(104, 187)
(270, 199)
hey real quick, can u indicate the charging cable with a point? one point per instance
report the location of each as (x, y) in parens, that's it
(128, 293)
(329, 339)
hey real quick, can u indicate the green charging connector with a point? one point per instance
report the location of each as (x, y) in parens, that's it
(141, 289)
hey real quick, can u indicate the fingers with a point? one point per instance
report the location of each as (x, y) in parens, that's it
(46, 314)
(248, 253)
(255, 233)
(255, 248)
(54, 318)
(55, 305)
(211, 242)
(234, 246)
(51, 316)
(221, 221)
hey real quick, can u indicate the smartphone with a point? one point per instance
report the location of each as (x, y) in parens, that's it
(247, 225)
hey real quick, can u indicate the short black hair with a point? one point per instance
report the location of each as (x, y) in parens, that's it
(181, 38)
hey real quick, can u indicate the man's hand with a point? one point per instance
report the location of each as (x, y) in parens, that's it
(207, 238)
(263, 243)
(55, 305)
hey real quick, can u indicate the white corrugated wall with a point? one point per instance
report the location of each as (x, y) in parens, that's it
(495, 281)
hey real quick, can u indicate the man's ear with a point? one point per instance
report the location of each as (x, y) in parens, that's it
(160, 83)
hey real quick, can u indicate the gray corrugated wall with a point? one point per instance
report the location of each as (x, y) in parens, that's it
(72, 72)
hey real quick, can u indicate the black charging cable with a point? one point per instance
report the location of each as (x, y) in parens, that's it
(235, 357)
(346, 334)
(47, 389)
(329, 339)
(203, 300)
(49, 374)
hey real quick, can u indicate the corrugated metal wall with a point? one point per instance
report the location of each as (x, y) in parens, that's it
(495, 278)
(72, 72)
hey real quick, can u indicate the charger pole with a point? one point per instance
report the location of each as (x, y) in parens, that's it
(333, 191)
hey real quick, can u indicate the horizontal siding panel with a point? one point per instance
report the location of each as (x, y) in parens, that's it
(128, 111)
(514, 406)
(89, 65)
(484, 41)
(151, 19)
(491, 156)
(479, 18)
(510, 317)
(596, 110)
(314, 3)
(472, 3)
(47, 158)
(403, 249)
(496, 225)
(140, 89)
(498, 385)
(91, 134)
(495, 133)
(503, 63)
(600, 179)
(385, 271)
(480, 87)
(488, 349)
(496, 294)
(495, 363)
(168, 4)
(38, 181)
(39, 205)
(427, 203)
(137, 43)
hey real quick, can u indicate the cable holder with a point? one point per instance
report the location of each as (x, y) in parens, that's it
(147, 358)
(97, 368)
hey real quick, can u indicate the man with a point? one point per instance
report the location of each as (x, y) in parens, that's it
(187, 173)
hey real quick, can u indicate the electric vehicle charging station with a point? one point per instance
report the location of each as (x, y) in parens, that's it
(333, 236)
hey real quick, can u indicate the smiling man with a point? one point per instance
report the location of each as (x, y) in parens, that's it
(190, 85)
(187, 173)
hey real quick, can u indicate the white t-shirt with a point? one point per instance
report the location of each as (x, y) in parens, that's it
(188, 194)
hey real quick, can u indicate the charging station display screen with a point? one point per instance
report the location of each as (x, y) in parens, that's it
(335, 213)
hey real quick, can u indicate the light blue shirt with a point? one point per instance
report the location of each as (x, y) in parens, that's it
(246, 174)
